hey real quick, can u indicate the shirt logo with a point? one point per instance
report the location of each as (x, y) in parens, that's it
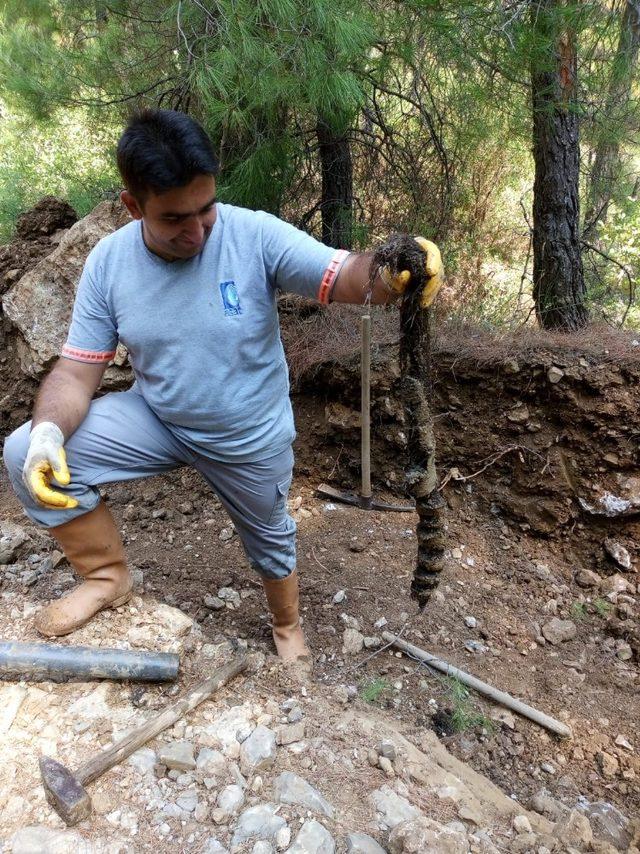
(230, 299)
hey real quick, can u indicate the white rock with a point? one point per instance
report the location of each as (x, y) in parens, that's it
(290, 733)
(258, 752)
(212, 846)
(37, 839)
(230, 597)
(352, 642)
(188, 800)
(557, 631)
(11, 697)
(554, 374)
(349, 621)
(426, 836)
(387, 748)
(227, 724)
(617, 553)
(392, 808)
(289, 788)
(313, 838)
(176, 622)
(230, 799)
(283, 838)
(259, 822)
(361, 843)
(144, 760)
(211, 762)
(339, 597)
(177, 755)
(621, 741)
(521, 824)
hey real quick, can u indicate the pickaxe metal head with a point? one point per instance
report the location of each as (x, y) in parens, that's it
(64, 792)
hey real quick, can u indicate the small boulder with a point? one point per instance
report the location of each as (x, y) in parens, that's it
(290, 733)
(352, 642)
(574, 830)
(313, 838)
(426, 836)
(258, 752)
(618, 554)
(361, 843)
(230, 799)
(38, 838)
(291, 789)
(558, 631)
(177, 755)
(259, 822)
(555, 374)
(587, 578)
(12, 538)
(392, 808)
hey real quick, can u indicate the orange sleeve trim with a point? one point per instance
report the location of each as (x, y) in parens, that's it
(87, 355)
(329, 277)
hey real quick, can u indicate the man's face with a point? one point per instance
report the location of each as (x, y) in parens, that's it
(176, 224)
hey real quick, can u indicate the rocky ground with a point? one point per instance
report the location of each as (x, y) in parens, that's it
(537, 448)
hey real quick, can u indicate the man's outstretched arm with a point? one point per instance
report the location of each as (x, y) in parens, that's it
(352, 283)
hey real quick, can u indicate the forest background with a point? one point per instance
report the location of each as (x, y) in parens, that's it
(506, 131)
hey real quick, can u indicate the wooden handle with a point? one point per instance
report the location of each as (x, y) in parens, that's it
(365, 379)
(123, 748)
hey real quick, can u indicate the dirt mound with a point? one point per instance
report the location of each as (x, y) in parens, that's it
(46, 217)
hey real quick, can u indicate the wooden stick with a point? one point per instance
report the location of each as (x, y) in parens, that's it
(482, 687)
(127, 745)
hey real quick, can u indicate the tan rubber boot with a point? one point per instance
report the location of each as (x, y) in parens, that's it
(93, 546)
(283, 598)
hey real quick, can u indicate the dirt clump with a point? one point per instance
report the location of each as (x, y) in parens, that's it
(46, 217)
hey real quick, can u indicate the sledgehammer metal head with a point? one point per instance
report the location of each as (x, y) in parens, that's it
(64, 792)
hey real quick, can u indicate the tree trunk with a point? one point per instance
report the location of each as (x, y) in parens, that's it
(606, 166)
(337, 186)
(558, 279)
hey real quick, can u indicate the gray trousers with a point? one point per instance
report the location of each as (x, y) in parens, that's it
(122, 439)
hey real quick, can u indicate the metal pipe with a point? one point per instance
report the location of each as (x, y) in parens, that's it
(44, 661)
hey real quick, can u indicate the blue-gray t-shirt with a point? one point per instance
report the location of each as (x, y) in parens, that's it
(203, 334)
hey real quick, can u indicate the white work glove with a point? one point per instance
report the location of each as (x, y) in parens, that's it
(46, 459)
(433, 268)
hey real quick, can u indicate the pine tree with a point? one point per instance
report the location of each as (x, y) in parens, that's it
(558, 278)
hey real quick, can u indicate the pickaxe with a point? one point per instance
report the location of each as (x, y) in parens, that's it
(365, 499)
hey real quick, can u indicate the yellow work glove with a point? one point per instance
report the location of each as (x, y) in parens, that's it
(45, 460)
(433, 268)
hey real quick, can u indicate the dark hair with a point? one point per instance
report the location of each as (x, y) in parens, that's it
(163, 149)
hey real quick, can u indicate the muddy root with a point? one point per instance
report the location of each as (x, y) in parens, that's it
(401, 252)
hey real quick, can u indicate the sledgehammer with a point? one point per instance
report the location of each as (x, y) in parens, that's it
(65, 790)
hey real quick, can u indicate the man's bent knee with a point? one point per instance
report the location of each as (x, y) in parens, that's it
(15, 450)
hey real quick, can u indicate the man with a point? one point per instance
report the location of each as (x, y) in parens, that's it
(189, 286)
